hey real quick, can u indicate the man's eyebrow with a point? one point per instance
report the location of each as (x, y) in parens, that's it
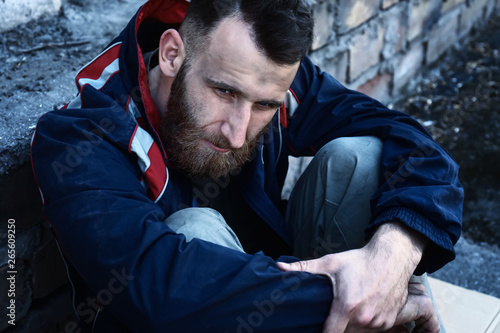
(222, 85)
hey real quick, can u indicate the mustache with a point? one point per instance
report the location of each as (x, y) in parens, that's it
(198, 133)
(220, 141)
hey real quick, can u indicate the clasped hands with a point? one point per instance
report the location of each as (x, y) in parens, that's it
(371, 285)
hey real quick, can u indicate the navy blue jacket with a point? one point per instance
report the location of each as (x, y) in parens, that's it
(106, 186)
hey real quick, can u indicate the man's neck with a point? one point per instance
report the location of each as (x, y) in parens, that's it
(156, 82)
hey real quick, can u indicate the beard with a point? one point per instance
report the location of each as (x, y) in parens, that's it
(183, 138)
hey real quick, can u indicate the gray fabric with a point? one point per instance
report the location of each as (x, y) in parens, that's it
(203, 223)
(329, 207)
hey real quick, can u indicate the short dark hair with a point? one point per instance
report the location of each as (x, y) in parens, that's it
(282, 29)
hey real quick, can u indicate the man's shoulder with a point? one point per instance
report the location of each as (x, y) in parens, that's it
(110, 123)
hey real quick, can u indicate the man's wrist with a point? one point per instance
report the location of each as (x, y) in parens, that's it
(399, 242)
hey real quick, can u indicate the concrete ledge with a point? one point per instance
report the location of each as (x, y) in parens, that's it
(15, 12)
(464, 310)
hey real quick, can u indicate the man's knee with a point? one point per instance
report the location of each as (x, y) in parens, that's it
(203, 223)
(330, 204)
(349, 153)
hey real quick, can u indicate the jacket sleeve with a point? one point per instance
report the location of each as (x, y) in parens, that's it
(114, 236)
(419, 183)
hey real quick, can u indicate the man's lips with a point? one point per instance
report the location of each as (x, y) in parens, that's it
(214, 147)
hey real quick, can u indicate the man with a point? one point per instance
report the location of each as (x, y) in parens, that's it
(173, 117)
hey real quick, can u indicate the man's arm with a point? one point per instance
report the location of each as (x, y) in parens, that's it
(116, 239)
(419, 184)
(416, 212)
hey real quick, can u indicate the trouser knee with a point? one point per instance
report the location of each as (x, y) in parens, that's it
(203, 223)
(348, 155)
(349, 170)
(329, 208)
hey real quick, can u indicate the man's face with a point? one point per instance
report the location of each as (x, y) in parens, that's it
(221, 102)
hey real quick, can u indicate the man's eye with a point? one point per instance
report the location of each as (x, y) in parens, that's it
(267, 106)
(223, 91)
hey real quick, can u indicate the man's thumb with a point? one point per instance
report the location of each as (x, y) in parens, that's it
(310, 266)
(285, 267)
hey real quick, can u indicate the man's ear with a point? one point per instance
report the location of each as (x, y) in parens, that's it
(171, 53)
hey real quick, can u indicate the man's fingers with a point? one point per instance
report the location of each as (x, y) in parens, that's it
(321, 265)
(419, 308)
(337, 320)
(410, 312)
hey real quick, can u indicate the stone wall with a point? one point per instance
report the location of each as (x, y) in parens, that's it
(378, 46)
(15, 12)
(375, 46)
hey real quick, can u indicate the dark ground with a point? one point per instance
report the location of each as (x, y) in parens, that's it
(458, 101)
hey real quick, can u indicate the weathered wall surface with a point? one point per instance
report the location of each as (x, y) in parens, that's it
(378, 46)
(15, 12)
(375, 46)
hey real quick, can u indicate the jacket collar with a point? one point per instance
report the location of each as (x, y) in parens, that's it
(142, 36)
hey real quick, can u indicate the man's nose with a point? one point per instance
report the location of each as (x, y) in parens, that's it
(235, 127)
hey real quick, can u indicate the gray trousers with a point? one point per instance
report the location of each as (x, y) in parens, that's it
(328, 209)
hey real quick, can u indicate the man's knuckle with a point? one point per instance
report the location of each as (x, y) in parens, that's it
(303, 265)
(350, 307)
(384, 326)
(365, 321)
(360, 317)
(370, 320)
(376, 322)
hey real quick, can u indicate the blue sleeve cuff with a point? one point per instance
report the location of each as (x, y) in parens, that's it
(440, 250)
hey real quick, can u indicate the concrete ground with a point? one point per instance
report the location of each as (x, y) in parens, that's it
(465, 311)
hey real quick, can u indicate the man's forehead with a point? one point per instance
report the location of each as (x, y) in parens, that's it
(233, 57)
(231, 38)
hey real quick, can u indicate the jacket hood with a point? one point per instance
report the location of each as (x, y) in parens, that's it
(145, 29)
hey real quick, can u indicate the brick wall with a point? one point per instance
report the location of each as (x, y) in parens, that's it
(378, 46)
(375, 46)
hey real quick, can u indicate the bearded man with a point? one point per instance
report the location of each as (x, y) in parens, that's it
(162, 181)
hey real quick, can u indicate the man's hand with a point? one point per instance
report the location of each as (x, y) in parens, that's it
(370, 285)
(418, 308)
